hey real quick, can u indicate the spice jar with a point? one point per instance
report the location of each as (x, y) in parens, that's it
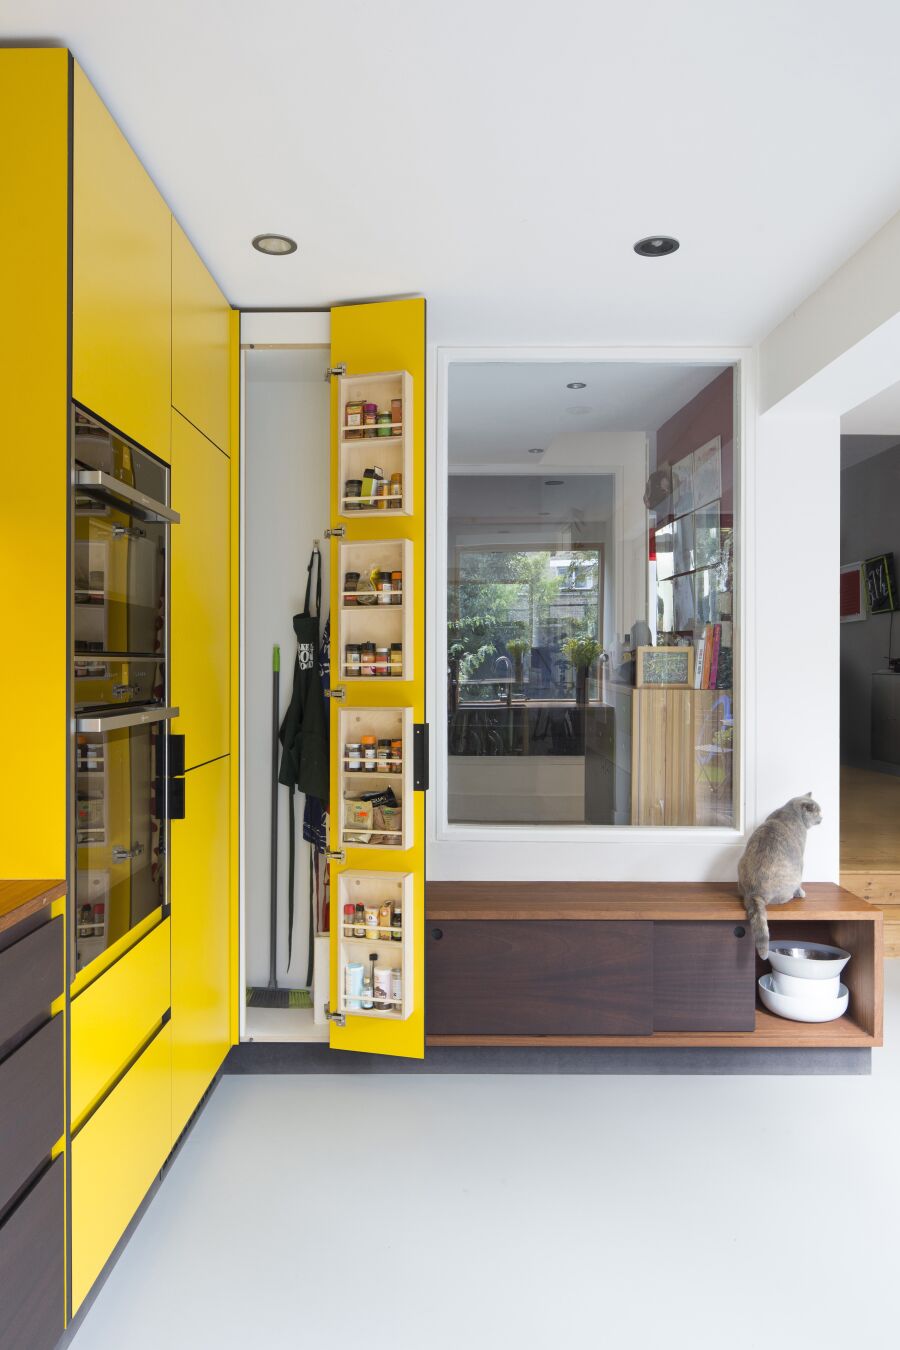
(396, 756)
(367, 658)
(353, 757)
(382, 986)
(384, 921)
(367, 999)
(351, 581)
(371, 922)
(397, 987)
(369, 753)
(351, 658)
(397, 588)
(384, 423)
(365, 590)
(370, 418)
(397, 660)
(353, 978)
(359, 922)
(353, 420)
(384, 588)
(348, 920)
(380, 493)
(382, 662)
(352, 493)
(396, 490)
(384, 756)
(397, 415)
(396, 926)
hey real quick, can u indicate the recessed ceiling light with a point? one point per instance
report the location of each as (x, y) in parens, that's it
(536, 450)
(576, 384)
(656, 246)
(276, 245)
(553, 482)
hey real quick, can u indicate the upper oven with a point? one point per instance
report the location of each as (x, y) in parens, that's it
(121, 518)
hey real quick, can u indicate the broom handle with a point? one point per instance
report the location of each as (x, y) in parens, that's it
(273, 905)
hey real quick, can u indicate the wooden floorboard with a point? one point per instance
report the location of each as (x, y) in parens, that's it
(870, 845)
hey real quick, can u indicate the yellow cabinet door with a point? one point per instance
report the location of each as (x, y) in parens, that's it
(115, 1156)
(200, 343)
(201, 989)
(201, 589)
(121, 280)
(382, 347)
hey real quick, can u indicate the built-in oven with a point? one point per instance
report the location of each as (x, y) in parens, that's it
(120, 523)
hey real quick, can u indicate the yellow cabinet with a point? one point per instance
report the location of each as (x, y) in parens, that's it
(200, 345)
(200, 667)
(121, 280)
(115, 1156)
(200, 938)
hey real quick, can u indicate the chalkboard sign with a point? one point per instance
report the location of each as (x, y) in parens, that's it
(665, 666)
(881, 583)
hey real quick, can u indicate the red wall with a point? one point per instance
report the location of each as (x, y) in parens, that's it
(708, 415)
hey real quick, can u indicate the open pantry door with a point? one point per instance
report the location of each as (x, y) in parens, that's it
(378, 737)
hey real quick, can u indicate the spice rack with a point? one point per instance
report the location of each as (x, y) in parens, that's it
(377, 889)
(388, 446)
(383, 624)
(394, 773)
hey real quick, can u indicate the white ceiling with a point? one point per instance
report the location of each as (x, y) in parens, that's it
(878, 416)
(501, 156)
(498, 411)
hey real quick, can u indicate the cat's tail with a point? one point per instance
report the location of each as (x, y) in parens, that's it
(759, 925)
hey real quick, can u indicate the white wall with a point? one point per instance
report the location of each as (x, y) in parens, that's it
(286, 475)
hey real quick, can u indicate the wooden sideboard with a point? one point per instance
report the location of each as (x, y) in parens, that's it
(631, 964)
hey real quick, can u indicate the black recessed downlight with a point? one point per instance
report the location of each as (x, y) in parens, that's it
(576, 384)
(276, 245)
(656, 246)
(536, 450)
(553, 482)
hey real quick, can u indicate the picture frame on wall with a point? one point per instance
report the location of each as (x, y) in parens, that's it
(853, 593)
(683, 486)
(707, 486)
(664, 667)
(707, 535)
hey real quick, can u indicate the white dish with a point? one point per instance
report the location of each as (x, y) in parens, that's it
(802, 1009)
(794, 986)
(822, 963)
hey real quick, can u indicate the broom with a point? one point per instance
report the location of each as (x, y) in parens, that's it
(272, 996)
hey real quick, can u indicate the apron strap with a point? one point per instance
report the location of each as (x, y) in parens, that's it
(313, 557)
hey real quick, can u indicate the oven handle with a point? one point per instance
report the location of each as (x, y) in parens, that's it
(113, 721)
(103, 485)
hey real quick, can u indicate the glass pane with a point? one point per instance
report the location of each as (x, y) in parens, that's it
(590, 641)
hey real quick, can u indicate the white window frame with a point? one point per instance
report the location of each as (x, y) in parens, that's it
(483, 851)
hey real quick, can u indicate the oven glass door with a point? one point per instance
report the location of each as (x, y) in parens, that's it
(120, 581)
(120, 837)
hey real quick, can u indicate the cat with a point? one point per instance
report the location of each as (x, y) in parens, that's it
(771, 869)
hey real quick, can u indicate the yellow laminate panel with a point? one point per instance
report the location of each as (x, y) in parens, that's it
(200, 343)
(115, 1156)
(34, 87)
(115, 1015)
(86, 976)
(235, 711)
(387, 336)
(200, 937)
(122, 280)
(201, 600)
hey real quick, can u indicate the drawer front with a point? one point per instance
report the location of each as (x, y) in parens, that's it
(537, 978)
(115, 1157)
(113, 1017)
(31, 977)
(703, 977)
(32, 1266)
(31, 1106)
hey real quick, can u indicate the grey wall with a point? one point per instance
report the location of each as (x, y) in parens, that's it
(870, 524)
(286, 475)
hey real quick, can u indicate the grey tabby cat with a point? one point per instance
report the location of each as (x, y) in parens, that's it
(771, 870)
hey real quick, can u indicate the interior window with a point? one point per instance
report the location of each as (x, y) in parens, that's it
(590, 585)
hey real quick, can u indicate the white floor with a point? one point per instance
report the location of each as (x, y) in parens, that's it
(419, 1214)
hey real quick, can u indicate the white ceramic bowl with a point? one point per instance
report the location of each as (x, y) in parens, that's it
(802, 1009)
(820, 962)
(793, 986)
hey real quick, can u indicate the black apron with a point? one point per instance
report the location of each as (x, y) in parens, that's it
(304, 731)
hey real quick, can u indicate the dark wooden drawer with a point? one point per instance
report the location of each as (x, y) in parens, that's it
(703, 977)
(31, 1106)
(31, 977)
(538, 978)
(32, 1256)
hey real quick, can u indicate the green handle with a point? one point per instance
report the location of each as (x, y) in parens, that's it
(276, 658)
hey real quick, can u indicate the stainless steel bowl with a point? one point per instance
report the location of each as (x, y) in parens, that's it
(804, 953)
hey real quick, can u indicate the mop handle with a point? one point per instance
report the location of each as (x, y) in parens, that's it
(273, 903)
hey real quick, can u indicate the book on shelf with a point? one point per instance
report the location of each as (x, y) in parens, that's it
(698, 661)
(707, 656)
(726, 668)
(714, 658)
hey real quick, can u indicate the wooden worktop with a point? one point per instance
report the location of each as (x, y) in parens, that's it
(446, 900)
(18, 899)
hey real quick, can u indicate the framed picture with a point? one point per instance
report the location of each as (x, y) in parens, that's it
(683, 486)
(708, 472)
(853, 593)
(707, 535)
(669, 667)
(684, 604)
(881, 583)
(684, 544)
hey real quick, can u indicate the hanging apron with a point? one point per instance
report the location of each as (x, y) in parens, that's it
(304, 731)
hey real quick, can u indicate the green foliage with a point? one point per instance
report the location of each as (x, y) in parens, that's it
(517, 647)
(581, 651)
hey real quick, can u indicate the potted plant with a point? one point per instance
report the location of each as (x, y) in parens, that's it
(517, 647)
(581, 652)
